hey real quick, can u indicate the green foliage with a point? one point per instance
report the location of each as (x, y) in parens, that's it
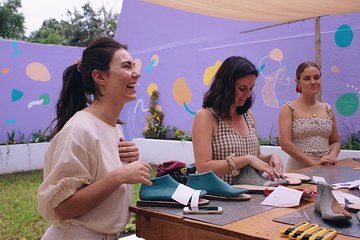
(80, 29)
(270, 140)
(34, 137)
(11, 21)
(351, 141)
(19, 218)
(40, 136)
(154, 127)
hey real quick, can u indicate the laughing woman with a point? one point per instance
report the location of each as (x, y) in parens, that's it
(86, 190)
(307, 127)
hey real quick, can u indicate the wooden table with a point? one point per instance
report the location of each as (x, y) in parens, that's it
(154, 225)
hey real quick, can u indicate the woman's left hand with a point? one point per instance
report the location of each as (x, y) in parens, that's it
(128, 151)
(276, 164)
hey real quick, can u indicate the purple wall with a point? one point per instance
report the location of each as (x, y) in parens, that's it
(178, 53)
(184, 45)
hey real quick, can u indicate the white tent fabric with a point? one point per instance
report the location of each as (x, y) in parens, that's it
(264, 10)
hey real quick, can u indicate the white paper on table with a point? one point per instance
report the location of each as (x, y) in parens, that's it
(348, 185)
(340, 197)
(318, 179)
(283, 197)
(182, 194)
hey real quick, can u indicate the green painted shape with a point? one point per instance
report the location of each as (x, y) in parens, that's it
(46, 98)
(347, 104)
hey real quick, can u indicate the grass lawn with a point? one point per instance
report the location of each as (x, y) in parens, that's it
(19, 219)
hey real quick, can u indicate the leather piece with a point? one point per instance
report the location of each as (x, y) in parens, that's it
(332, 174)
(233, 211)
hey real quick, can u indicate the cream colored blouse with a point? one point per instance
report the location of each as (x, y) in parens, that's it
(81, 153)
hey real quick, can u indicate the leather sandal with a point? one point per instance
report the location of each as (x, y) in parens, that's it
(161, 191)
(213, 185)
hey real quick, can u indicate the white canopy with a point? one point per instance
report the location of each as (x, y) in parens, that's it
(264, 10)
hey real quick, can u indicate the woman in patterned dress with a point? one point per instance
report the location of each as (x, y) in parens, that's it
(224, 131)
(307, 127)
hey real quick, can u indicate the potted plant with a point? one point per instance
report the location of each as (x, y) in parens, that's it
(21, 154)
(163, 143)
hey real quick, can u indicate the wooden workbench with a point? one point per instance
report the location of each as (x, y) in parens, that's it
(157, 225)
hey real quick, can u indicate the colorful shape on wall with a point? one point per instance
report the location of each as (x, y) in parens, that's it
(273, 73)
(10, 121)
(38, 72)
(353, 87)
(15, 52)
(276, 54)
(188, 109)
(151, 87)
(5, 70)
(44, 99)
(344, 36)
(16, 95)
(153, 63)
(335, 69)
(141, 103)
(347, 104)
(181, 91)
(209, 73)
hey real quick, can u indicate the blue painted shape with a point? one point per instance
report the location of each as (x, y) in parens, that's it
(344, 36)
(16, 95)
(10, 121)
(16, 50)
(261, 68)
(188, 110)
(149, 67)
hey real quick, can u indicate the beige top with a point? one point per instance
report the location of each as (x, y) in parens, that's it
(82, 152)
(311, 135)
(227, 141)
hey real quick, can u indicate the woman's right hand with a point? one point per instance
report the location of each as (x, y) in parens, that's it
(262, 166)
(327, 160)
(136, 172)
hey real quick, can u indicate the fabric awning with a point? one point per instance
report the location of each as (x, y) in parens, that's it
(264, 10)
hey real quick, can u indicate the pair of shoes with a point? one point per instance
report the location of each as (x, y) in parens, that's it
(161, 191)
(249, 176)
(213, 185)
(326, 204)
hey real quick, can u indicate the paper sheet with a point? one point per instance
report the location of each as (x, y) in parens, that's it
(283, 197)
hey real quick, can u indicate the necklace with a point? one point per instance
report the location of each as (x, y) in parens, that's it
(314, 115)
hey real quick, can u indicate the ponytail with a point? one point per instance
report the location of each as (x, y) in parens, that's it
(72, 97)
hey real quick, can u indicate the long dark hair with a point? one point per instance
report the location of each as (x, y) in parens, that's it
(221, 94)
(78, 87)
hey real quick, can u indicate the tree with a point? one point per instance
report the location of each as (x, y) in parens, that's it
(12, 22)
(51, 32)
(79, 30)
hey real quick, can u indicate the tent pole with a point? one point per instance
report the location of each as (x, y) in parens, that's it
(318, 50)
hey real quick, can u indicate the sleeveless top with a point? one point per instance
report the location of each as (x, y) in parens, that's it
(227, 141)
(311, 135)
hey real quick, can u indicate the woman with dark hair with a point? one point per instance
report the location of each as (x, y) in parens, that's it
(224, 133)
(307, 127)
(86, 190)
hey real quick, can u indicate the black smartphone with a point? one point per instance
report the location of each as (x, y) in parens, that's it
(202, 210)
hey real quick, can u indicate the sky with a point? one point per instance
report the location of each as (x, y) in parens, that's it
(36, 11)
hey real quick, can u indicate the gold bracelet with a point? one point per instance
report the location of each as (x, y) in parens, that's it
(230, 160)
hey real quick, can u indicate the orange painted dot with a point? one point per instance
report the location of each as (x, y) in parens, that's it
(5, 70)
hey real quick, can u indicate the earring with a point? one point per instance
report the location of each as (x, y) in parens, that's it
(298, 88)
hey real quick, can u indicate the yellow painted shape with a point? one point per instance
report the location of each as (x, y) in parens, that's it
(151, 87)
(181, 91)
(209, 73)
